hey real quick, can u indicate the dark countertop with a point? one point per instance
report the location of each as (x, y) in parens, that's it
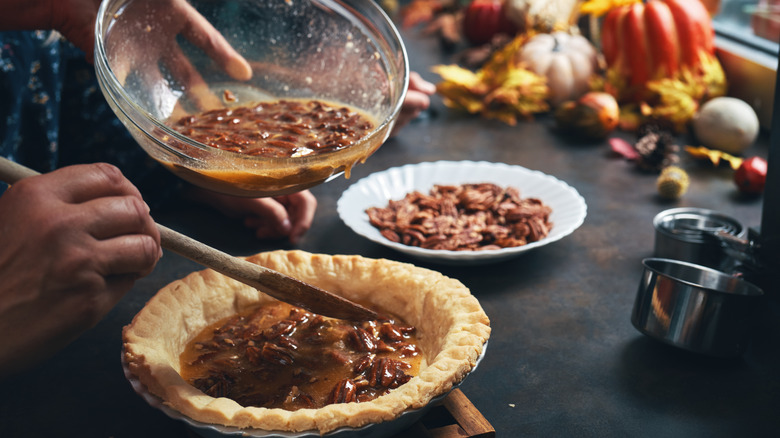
(563, 358)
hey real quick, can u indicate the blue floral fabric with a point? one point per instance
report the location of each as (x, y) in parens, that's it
(52, 114)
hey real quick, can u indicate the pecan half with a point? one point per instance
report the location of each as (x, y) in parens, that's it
(388, 373)
(275, 354)
(345, 391)
(362, 339)
(216, 385)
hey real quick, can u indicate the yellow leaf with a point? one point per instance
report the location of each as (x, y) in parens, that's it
(714, 156)
(645, 109)
(458, 97)
(598, 8)
(499, 90)
(522, 90)
(457, 74)
(713, 77)
(676, 100)
(505, 115)
(504, 58)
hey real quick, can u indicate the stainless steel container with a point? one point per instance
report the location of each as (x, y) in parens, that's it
(694, 307)
(691, 235)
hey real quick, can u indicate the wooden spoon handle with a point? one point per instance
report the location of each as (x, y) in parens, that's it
(11, 172)
(275, 284)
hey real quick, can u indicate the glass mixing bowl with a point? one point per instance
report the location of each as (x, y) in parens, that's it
(152, 69)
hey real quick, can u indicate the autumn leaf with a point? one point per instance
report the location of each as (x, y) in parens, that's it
(715, 156)
(458, 97)
(504, 58)
(597, 8)
(499, 90)
(623, 148)
(419, 11)
(713, 77)
(459, 75)
(511, 98)
(677, 101)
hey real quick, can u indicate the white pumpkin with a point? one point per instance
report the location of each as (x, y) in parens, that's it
(567, 61)
(542, 15)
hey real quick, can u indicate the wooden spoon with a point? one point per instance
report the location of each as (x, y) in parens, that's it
(273, 283)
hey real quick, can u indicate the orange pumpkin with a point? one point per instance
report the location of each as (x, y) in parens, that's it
(653, 40)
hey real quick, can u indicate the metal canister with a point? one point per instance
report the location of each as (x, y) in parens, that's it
(695, 307)
(691, 235)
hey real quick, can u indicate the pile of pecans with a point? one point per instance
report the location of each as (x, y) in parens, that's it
(463, 217)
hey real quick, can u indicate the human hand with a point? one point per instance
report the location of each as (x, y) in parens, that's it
(166, 19)
(288, 216)
(417, 100)
(75, 19)
(73, 242)
(145, 34)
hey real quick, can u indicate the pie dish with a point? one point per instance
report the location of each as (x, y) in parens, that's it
(206, 430)
(451, 325)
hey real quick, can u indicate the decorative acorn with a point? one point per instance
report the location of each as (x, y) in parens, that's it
(673, 182)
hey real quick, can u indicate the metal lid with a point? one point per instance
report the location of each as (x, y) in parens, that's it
(695, 224)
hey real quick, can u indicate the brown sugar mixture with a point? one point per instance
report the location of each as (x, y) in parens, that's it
(281, 356)
(278, 129)
(463, 217)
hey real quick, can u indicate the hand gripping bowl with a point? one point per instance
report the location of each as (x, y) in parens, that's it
(154, 67)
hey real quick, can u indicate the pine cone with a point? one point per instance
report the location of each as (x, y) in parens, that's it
(656, 150)
(660, 126)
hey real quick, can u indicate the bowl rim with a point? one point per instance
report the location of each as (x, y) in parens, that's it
(695, 235)
(656, 265)
(111, 86)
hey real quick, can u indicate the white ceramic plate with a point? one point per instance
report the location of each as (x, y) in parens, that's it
(374, 430)
(376, 190)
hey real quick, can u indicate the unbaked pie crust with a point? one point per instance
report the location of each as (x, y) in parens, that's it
(452, 330)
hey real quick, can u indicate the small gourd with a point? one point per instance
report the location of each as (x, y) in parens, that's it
(567, 61)
(726, 123)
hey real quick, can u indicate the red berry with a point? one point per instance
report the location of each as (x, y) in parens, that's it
(750, 177)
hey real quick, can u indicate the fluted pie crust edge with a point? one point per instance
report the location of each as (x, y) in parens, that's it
(451, 325)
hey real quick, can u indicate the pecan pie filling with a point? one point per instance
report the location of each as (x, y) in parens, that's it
(278, 129)
(281, 356)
